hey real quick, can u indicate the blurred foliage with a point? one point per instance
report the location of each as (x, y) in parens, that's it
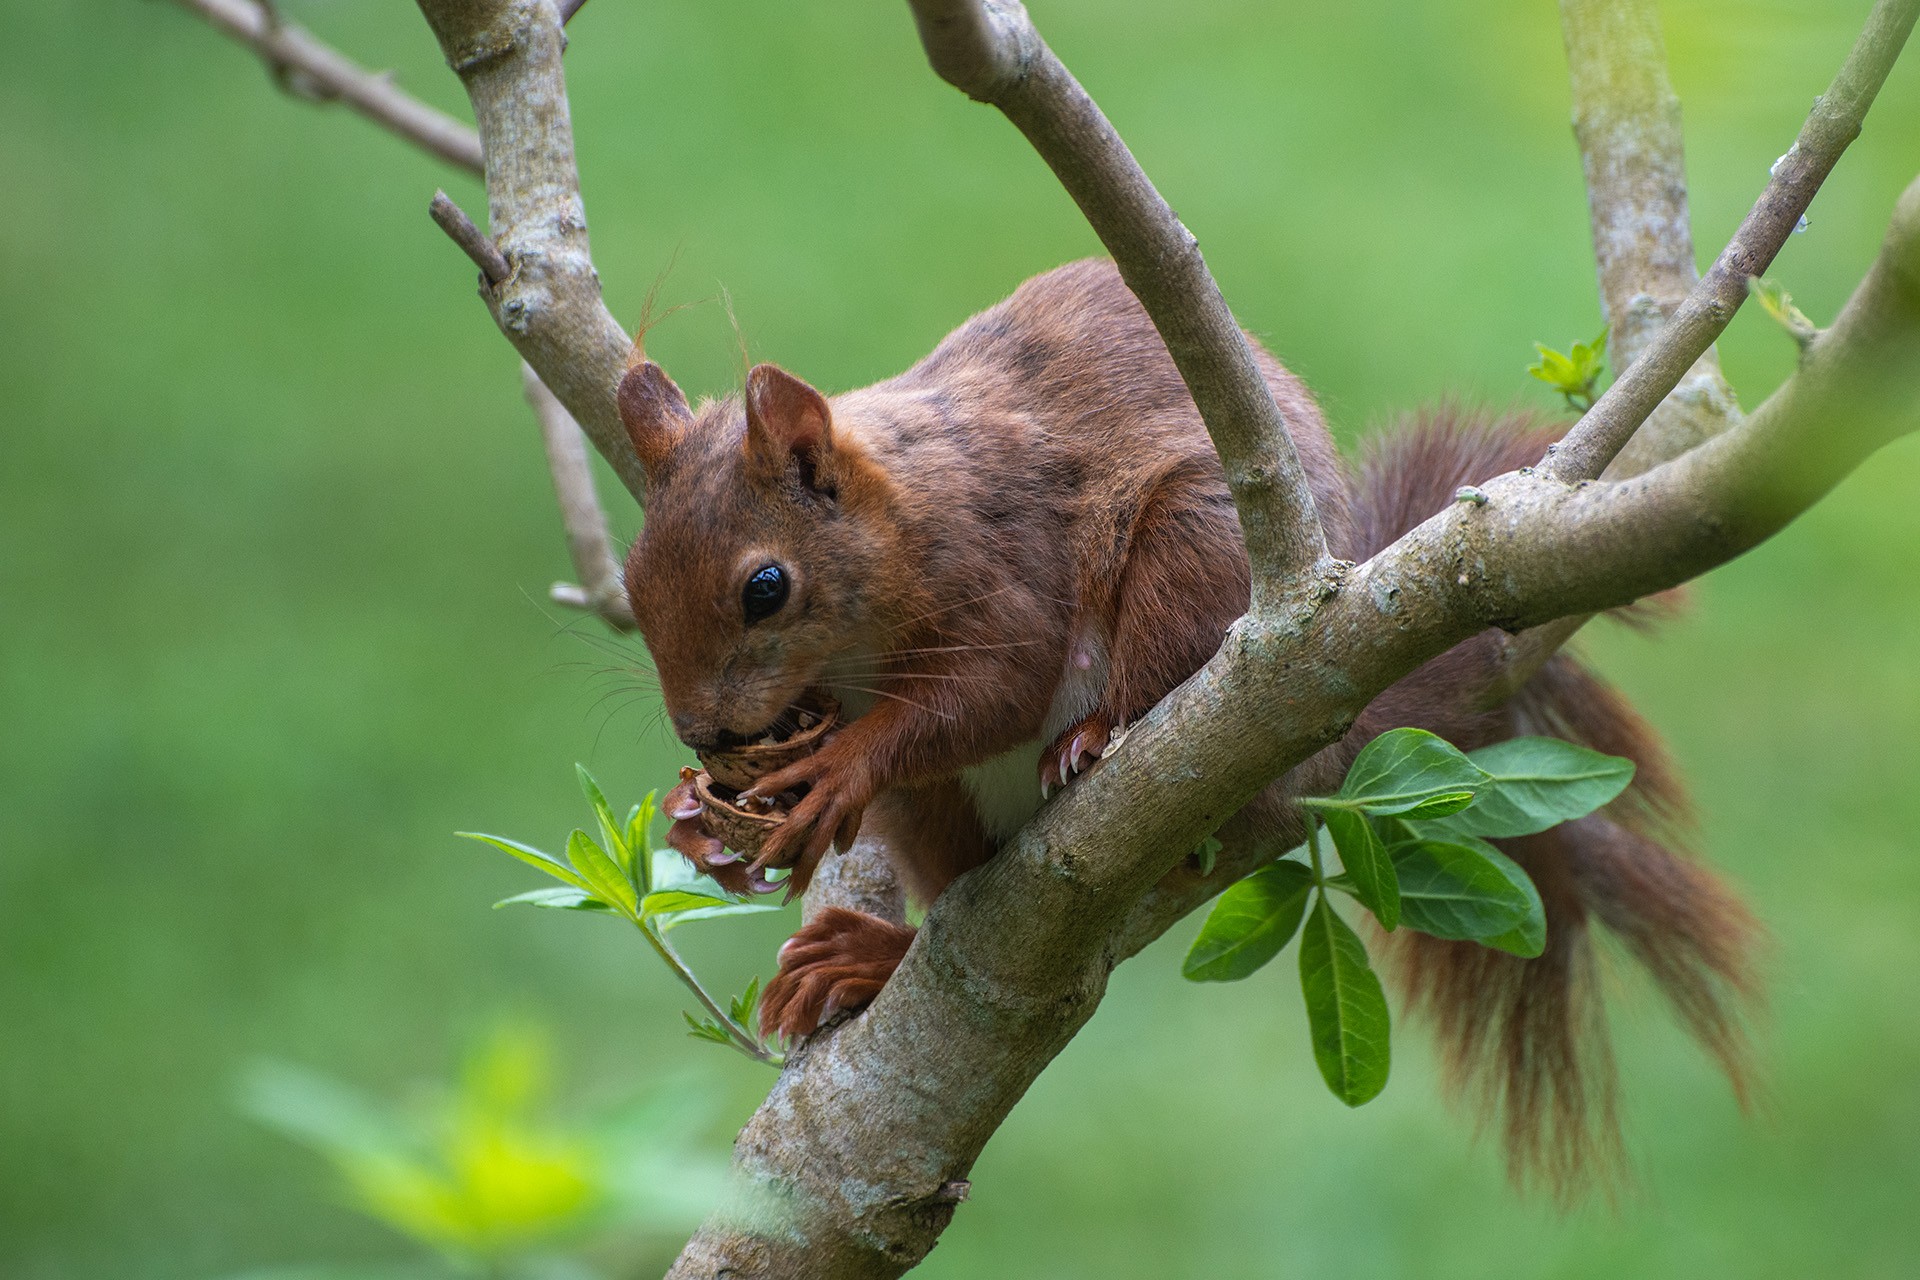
(275, 531)
(480, 1176)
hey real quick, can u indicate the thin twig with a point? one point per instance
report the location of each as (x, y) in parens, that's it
(1833, 123)
(742, 1039)
(568, 8)
(473, 242)
(588, 543)
(990, 50)
(322, 73)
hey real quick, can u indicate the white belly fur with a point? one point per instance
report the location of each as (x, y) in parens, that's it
(1006, 789)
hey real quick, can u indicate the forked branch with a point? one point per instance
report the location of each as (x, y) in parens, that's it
(328, 75)
(1833, 123)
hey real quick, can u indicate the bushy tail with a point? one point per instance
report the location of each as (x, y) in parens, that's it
(1526, 1040)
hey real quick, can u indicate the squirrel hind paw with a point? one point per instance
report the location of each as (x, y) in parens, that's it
(836, 963)
(1078, 748)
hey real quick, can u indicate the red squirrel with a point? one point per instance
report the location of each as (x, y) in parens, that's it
(1024, 542)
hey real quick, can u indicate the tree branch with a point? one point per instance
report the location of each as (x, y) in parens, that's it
(330, 76)
(990, 50)
(1833, 123)
(473, 242)
(1626, 120)
(588, 544)
(507, 54)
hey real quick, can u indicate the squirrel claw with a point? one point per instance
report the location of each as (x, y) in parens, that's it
(1076, 750)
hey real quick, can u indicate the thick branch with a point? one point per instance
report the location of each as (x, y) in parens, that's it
(326, 74)
(990, 50)
(507, 54)
(1833, 123)
(591, 549)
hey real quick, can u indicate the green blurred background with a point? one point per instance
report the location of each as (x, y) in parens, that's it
(275, 535)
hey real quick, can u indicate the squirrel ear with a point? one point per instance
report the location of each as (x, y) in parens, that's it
(789, 420)
(654, 411)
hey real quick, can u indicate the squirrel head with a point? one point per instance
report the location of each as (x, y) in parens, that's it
(753, 572)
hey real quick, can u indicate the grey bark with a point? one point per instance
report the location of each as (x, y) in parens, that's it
(991, 52)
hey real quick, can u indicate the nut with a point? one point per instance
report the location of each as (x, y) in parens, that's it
(740, 828)
(738, 768)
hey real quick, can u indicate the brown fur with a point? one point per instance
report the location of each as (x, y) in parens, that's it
(840, 960)
(952, 535)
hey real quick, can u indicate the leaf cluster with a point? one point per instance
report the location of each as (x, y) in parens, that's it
(656, 890)
(1411, 825)
(1574, 374)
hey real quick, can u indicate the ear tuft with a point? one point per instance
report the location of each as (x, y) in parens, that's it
(788, 422)
(655, 413)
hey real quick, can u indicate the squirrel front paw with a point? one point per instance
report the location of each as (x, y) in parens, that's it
(1076, 750)
(689, 836)
(839, 961)
(828, 815)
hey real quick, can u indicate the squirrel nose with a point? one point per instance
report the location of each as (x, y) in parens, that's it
(700, 734)
(688, 728)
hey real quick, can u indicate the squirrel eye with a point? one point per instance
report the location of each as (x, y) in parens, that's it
(765, 592)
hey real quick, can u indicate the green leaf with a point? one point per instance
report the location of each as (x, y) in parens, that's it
(532, 857)
(1538, 783)
(1529, 937)
(1554, 369)
(1249, 924)
(679, 918)
(743, 1004)
(318, 1111)
(1404, 769)
(1365, 858)
(668, 901)
(613, 831)
(1778, 303)
(605, 879)
(1576, 375)
(568, 899)
(1206, 853)
(1441, 805)
(1456, 891)
(639, 824)
(1346, 1010)
(671, 870)
(706, 1029)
